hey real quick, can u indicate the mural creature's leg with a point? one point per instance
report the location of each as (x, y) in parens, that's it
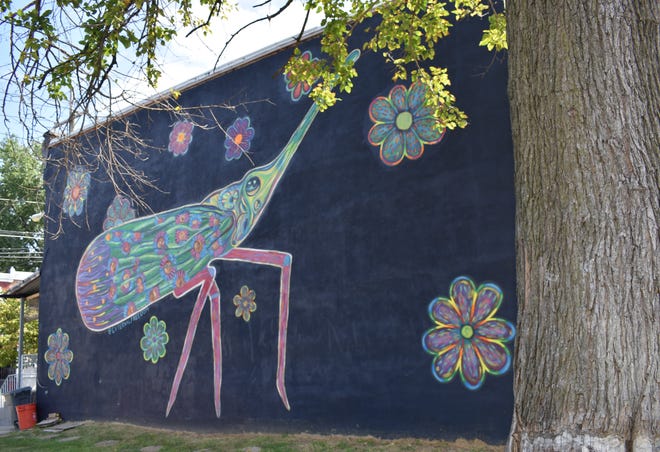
(205, 279)
(217, 345)
(283, 261)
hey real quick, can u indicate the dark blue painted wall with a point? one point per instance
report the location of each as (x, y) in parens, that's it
(372, 245)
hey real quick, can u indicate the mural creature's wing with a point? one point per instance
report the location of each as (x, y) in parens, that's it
(139, 262)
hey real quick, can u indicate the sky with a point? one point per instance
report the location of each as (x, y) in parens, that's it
(189, 57)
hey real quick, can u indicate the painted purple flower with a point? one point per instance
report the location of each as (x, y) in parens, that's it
(75, 193)
(245, 303)
(239, 137)
(180, 137)
(402, 124)
(467, 338)
(58, 356)
(300, 89)
(119, 211)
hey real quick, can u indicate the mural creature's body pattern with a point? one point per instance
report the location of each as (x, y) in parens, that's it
(144, 260)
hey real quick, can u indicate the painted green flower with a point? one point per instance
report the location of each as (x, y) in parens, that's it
(245, 303)
(154, 340)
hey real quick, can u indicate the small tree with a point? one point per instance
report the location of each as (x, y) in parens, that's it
(10, 310)
(21, 202)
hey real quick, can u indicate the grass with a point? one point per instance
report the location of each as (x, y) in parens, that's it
(112, 436)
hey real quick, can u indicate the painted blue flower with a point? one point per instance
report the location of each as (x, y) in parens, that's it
(58, 356)
(75, 193)
(402, 124)
(119, 211)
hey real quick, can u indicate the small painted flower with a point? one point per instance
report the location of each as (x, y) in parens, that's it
(119, 211)
(468, 338)
(217, 249)
(154, 340)
(127, 283)
(402, 124)
(228, 199)
(139, 284)
(160, 242)
(245, 303)
(126, 248)
(180, 137)
(112, 291)
(182, 218)
(168, 267)
(195, 221)
(154, 294)
(58, 356)
(197, 249)
(300, 89)
(181, 278)
(181, 235)
(129, 309)
(75, 193)
(239, 137)
(113, 263)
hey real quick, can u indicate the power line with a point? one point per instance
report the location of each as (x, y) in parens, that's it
(21, 200)
(22, 235)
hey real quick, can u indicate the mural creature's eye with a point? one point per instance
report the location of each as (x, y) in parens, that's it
(252, 185)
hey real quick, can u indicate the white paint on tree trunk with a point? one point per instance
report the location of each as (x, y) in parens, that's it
(584, 443)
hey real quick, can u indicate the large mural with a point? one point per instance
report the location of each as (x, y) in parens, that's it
(320, 271)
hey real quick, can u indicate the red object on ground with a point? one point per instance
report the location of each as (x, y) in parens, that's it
(27, 415)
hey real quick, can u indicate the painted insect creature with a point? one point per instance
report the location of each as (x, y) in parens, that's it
(137, 263)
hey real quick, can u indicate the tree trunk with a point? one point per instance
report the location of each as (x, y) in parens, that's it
(585, 107)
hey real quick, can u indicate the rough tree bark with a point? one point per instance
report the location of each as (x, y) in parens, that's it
(585, 111)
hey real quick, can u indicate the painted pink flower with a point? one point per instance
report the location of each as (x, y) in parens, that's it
(300, 89)
(181, 235)
(180, 137)
(182, 218)
(168, 267)
(217, 248)
(468, 338)
(181, 278)
(239, 137)
(160, 242)
(402, 124)
(197, 249)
